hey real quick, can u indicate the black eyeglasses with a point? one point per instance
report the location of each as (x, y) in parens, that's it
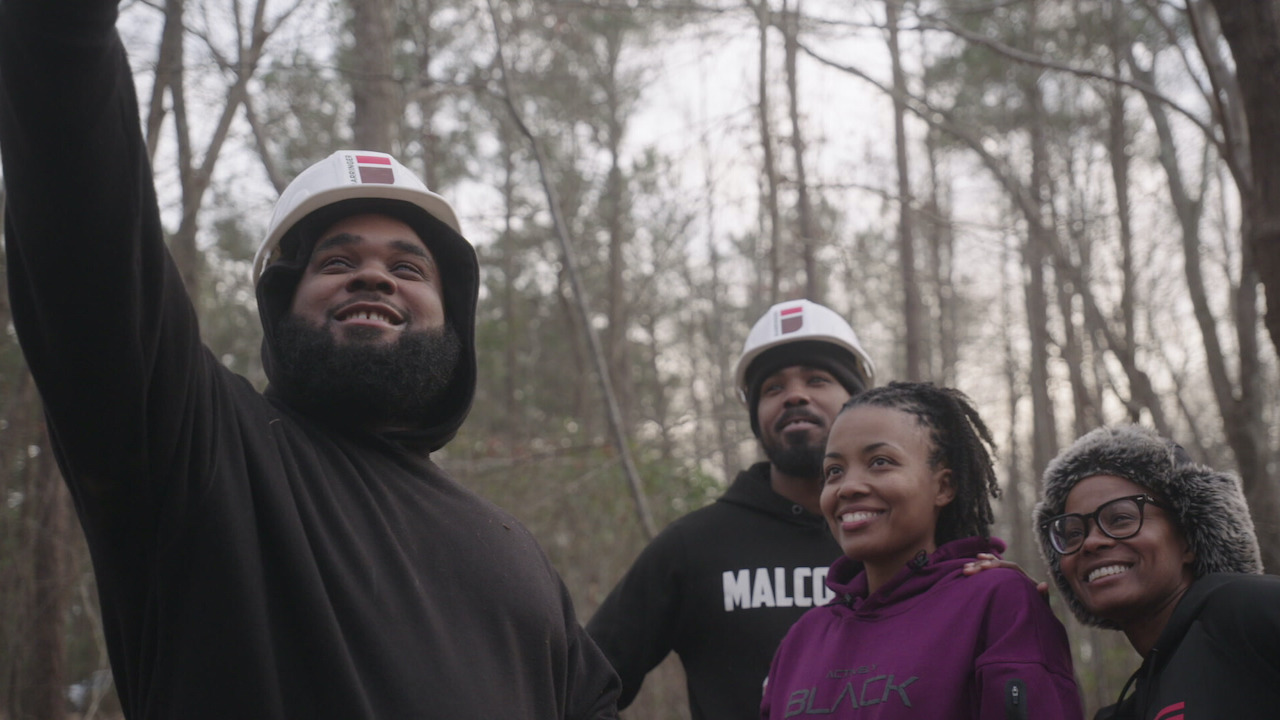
(1118, 519)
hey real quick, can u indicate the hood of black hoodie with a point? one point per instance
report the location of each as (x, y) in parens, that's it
(751, 490)
(459, 268)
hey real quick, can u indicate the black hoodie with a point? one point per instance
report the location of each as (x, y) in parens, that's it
(720, 587)
(251, 562)
(1219, 656)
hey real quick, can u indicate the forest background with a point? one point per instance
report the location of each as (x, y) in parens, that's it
(1069, 209)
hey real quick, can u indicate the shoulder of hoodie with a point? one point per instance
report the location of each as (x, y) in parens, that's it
(702, 532)
(708, 518)
(1228, 587)
(1005, 584)
(1006, 599)
(737, 502)
(1241, 605)
(685, 530)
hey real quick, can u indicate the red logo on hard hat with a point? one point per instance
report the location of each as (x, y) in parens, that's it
(791, 319)
(375, 169)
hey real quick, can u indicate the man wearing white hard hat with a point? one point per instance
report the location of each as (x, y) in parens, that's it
(721, 585)
(287, 554)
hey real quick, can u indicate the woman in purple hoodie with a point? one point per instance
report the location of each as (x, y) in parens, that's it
(908, 479)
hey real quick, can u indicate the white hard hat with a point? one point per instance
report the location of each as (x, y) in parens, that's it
(801, 321)
(347, 175)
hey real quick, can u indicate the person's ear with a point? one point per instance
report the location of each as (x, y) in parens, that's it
(1188, 555)
(946, 491)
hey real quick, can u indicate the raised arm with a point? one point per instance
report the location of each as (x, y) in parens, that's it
(101, 314)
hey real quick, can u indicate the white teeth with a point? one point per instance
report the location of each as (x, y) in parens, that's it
(1106, 572)
(366, 315)
(858, 516)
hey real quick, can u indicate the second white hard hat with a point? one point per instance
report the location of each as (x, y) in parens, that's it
(799, 321)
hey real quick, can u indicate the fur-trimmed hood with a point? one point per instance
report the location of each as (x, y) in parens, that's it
(1208, 506)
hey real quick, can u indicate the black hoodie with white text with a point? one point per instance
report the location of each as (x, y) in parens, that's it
(720, 587)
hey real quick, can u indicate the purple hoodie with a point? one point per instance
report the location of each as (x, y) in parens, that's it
(931, 643)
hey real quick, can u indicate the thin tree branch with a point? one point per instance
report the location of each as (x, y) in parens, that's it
(602, 369)
(941, 24)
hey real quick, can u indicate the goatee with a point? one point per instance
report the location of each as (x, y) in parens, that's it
(364, 384)
(798, 459)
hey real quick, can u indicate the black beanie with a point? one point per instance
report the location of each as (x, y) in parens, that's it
(818, 354)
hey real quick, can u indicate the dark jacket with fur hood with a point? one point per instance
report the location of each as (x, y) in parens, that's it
(1207, 505)
(1218, 656)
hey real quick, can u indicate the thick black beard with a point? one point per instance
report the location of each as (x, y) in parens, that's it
(797, 459)
(360, 384)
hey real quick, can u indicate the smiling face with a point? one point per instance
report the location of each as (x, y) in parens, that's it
(880, 495)
(370, 279)
(796, 408)
(1133, 582)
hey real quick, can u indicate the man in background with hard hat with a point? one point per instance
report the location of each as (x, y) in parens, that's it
(721, 585)
(293, 554)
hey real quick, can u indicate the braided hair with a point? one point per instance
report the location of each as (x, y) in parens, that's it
(961, 443)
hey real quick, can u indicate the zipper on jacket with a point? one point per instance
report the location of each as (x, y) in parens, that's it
(1015, 700)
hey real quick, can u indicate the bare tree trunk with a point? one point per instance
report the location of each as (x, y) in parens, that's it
(615, 212)
(658, 392)
(372, 83)
(1118, 155)
(1084, 414)
(195, 178)
(1044, 424)
(1249, 427)
(1141, 391)
(769, 170)
(941, 255)
(728, 434)
(425, 90)
(35, 577)
(45, 696)
(171, 79)
(911, 308)
(574, 320)
(695, 323)
(507, 253)
(1015, 504)
(621, 442)
(1252, 29)
(168, 70)
(1240, 407)
(1084, 418)
(261, 143)
(809, 240)
(723, 343)
(1044, 442)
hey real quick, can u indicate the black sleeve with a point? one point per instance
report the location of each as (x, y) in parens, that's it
(638, 622)
(1245, 614)
(101, 313)
(594, 690)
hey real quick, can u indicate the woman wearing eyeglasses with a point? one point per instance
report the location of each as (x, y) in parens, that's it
(1140, 539)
